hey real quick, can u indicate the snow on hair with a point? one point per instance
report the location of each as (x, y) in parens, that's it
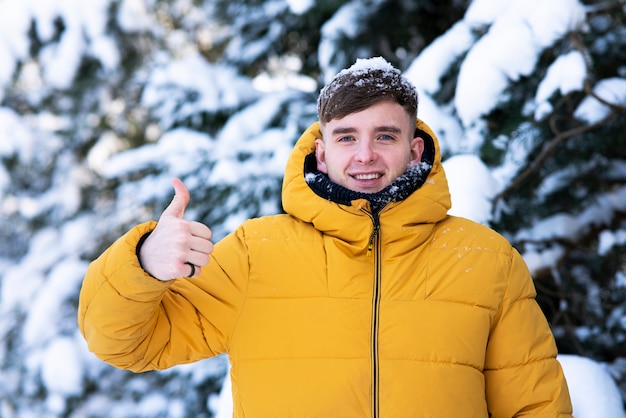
(366, 82)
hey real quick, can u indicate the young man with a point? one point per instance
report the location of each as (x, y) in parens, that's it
(364, 300)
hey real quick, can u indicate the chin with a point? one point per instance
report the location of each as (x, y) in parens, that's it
(368, 190)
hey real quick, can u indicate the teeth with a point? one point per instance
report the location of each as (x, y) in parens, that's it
(371, 176)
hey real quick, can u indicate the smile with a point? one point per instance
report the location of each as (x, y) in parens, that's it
(369, 176)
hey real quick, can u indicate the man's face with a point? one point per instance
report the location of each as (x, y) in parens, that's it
(367, 150)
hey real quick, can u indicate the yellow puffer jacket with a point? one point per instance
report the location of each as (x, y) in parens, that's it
(431, 316)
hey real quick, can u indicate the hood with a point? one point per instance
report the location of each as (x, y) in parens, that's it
(427, 205)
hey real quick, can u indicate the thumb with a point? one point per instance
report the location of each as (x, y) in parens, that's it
(180, 201)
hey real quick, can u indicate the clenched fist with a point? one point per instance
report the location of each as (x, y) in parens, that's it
(176, 248)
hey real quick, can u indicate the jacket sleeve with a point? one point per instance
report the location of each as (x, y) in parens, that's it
(523, 377)
(134, 321)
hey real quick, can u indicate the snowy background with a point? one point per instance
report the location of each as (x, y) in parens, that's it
(103, 102)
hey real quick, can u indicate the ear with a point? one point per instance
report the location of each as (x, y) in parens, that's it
(417, 149)
(320, 155)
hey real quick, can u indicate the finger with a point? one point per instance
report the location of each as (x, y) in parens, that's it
(200, 230)
(197, 261)
(201, 246)
(180, 201)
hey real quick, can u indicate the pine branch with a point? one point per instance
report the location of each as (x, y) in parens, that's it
(604, 7)
(550, 149)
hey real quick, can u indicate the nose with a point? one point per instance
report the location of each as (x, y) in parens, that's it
(365, 152)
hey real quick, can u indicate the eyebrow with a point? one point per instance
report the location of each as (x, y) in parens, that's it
(393, 129)
(348, 130)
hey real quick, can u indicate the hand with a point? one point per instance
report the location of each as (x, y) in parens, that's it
(176, 243)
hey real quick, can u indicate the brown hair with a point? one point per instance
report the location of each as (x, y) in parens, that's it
(366, 83)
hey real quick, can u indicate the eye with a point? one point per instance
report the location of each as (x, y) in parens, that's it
(385, 138)
(347, 138)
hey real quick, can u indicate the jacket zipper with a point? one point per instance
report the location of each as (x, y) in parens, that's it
(370, 245)
(374, 247)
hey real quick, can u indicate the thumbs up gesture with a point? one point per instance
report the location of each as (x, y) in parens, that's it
(176, 248)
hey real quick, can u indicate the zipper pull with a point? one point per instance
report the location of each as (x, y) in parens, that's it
(370, 245)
